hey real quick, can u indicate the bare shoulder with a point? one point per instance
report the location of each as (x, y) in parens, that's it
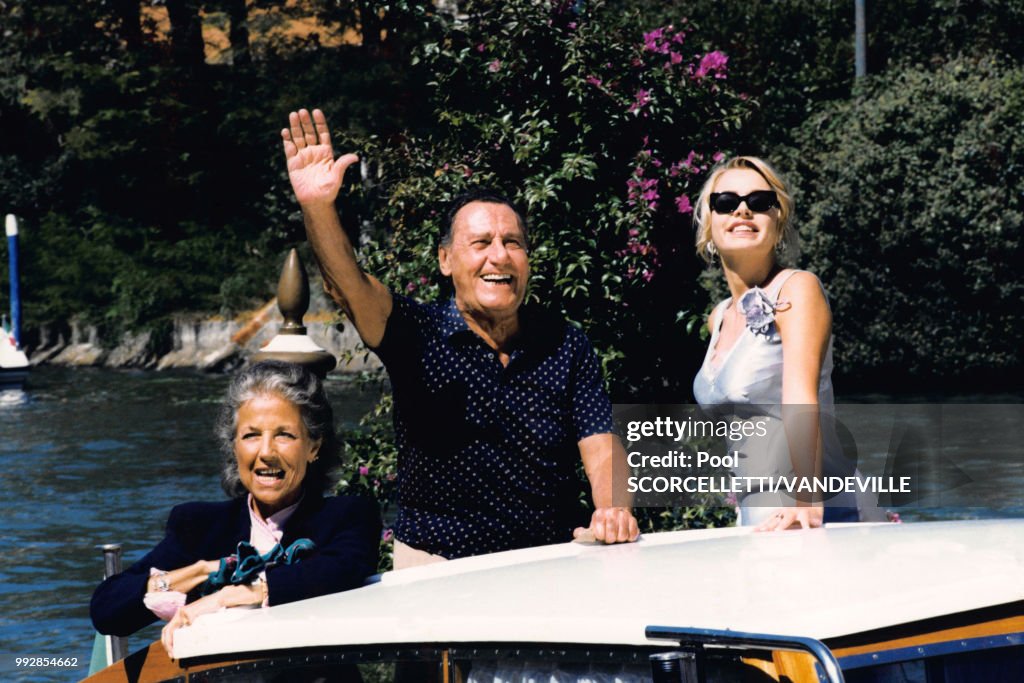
(802, 305)
(803, 287)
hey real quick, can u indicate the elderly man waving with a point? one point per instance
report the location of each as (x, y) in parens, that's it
(494, 402)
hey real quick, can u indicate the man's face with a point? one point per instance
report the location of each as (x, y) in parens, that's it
(486, 259)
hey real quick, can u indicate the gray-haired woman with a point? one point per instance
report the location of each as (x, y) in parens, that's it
(277, 540)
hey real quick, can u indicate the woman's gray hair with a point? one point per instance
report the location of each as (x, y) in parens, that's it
(302, 389)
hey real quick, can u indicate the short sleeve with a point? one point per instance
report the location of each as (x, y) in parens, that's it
(394, 343)
(590, 406)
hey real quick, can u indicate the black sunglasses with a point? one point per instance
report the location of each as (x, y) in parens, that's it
(758, 202)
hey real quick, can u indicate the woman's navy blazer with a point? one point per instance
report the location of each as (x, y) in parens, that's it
(345, 529)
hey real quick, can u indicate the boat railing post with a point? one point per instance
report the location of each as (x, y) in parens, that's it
(117, 647)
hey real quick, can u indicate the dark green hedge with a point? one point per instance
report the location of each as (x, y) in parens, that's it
(911, 198)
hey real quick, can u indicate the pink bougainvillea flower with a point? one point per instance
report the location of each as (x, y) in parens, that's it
(683, 204)
(594, 80)
(364, 470)
(494, 66)
(717, 156)
(712, 64)
(653, 40)
(643, 97)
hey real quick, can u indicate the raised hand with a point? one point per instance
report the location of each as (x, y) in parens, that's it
(315, 174)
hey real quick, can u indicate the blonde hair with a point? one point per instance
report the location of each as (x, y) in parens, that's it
(785, 233)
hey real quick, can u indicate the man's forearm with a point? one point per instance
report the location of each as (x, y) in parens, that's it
(363, 298)
(604, 460)
(334, 252)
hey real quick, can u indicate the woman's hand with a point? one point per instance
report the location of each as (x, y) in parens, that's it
(229, 596)
(807, 516)
(184, 579)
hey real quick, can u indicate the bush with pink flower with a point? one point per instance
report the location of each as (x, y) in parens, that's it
(593, 121)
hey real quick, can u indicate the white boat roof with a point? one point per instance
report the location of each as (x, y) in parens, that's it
(819, 583)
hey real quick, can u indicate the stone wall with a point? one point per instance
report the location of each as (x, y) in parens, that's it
(196, 342)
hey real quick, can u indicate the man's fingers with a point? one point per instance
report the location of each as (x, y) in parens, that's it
(628, 528)
(308, 129)
(295, 130)
(322, 131)
(346, 160)
(342, 164)
(290, 149)
(614, 525)
(609, 525)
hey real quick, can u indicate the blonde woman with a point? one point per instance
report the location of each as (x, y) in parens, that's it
(770, 352)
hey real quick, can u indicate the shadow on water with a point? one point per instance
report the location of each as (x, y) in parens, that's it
(95, 456)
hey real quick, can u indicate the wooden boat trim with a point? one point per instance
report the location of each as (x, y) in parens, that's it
(932, 631)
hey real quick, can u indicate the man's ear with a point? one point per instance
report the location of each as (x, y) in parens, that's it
(442, 262)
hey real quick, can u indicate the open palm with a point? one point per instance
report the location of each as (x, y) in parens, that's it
(312, 169)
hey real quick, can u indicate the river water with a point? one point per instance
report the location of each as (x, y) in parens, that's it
(96, 456)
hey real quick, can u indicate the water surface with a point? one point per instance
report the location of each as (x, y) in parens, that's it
(95, 456)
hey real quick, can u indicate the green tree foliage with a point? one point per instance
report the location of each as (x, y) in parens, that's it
(912, 204)
(792, 55)
(602, 126)
(148, 180)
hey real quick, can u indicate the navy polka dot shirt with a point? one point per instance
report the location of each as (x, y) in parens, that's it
(487, 453)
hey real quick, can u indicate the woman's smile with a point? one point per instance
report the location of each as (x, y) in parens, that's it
(273, 450)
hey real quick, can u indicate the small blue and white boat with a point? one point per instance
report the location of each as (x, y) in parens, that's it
(14, 363)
